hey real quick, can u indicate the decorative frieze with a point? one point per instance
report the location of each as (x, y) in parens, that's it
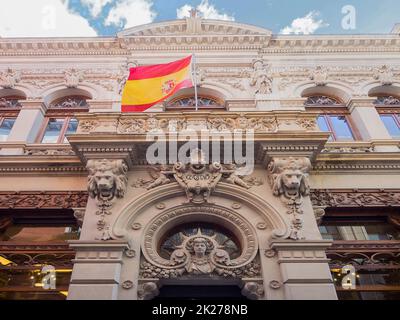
(260, 122)
(43, 200)
(355, 198)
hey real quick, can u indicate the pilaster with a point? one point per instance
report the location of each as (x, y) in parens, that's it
(305, 270)
(97, 270)
(370, 125)
(26, 127)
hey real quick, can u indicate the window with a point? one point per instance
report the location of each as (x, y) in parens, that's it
(322, 101)
(176, 237)
(388, 108)
(359, 228)
(392, 124)
(338, 125)
(6, 125)
(57, 128)
(30, 241)
(189, 103)
(59, 121)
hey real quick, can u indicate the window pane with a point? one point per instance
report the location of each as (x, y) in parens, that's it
(391, 126)
(21, 233)
(53, 131)
(342, 128)
(5, 129)
(72, 127)
(323, 126)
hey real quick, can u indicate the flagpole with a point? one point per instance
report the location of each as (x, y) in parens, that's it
(194, 77)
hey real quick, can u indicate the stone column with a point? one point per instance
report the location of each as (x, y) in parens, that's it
(370, 126)
(99, 257)
(300, 250)
(26, 127)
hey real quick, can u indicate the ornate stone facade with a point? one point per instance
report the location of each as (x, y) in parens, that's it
(146, 226)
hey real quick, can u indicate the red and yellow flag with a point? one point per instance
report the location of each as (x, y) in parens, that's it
(149, 85)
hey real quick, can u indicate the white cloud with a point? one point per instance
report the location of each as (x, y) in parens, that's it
(207, 10)
(133, 12)
(41, 18)
(95, 6)
(305, 25)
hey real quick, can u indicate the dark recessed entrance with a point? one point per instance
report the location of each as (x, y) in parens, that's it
(172, 292)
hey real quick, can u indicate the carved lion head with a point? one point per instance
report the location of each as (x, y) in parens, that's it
(290, 177)
(107, 178)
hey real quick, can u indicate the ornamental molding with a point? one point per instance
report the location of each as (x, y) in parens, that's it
(242, 227)
(342, 165)
(355, 198)
(28, 169)
(203, 35)
(260, 122)
(43, 200)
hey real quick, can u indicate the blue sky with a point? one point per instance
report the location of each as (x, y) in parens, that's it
(106, 17)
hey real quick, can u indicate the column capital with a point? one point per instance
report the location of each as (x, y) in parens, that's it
(34, 105)
(364, 102)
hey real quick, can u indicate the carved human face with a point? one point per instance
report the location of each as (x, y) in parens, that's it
(199, 247)
(292, 179)
(105, 182)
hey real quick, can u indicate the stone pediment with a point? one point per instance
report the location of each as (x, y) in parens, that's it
(195, 26)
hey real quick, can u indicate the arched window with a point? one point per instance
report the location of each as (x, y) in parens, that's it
(334, 118)
(189, 103)
(176, 237)
(60, 121)
(389, 110)
(322, 101)
(9, 110)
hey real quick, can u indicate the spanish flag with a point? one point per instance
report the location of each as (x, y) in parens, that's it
(149, 85)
